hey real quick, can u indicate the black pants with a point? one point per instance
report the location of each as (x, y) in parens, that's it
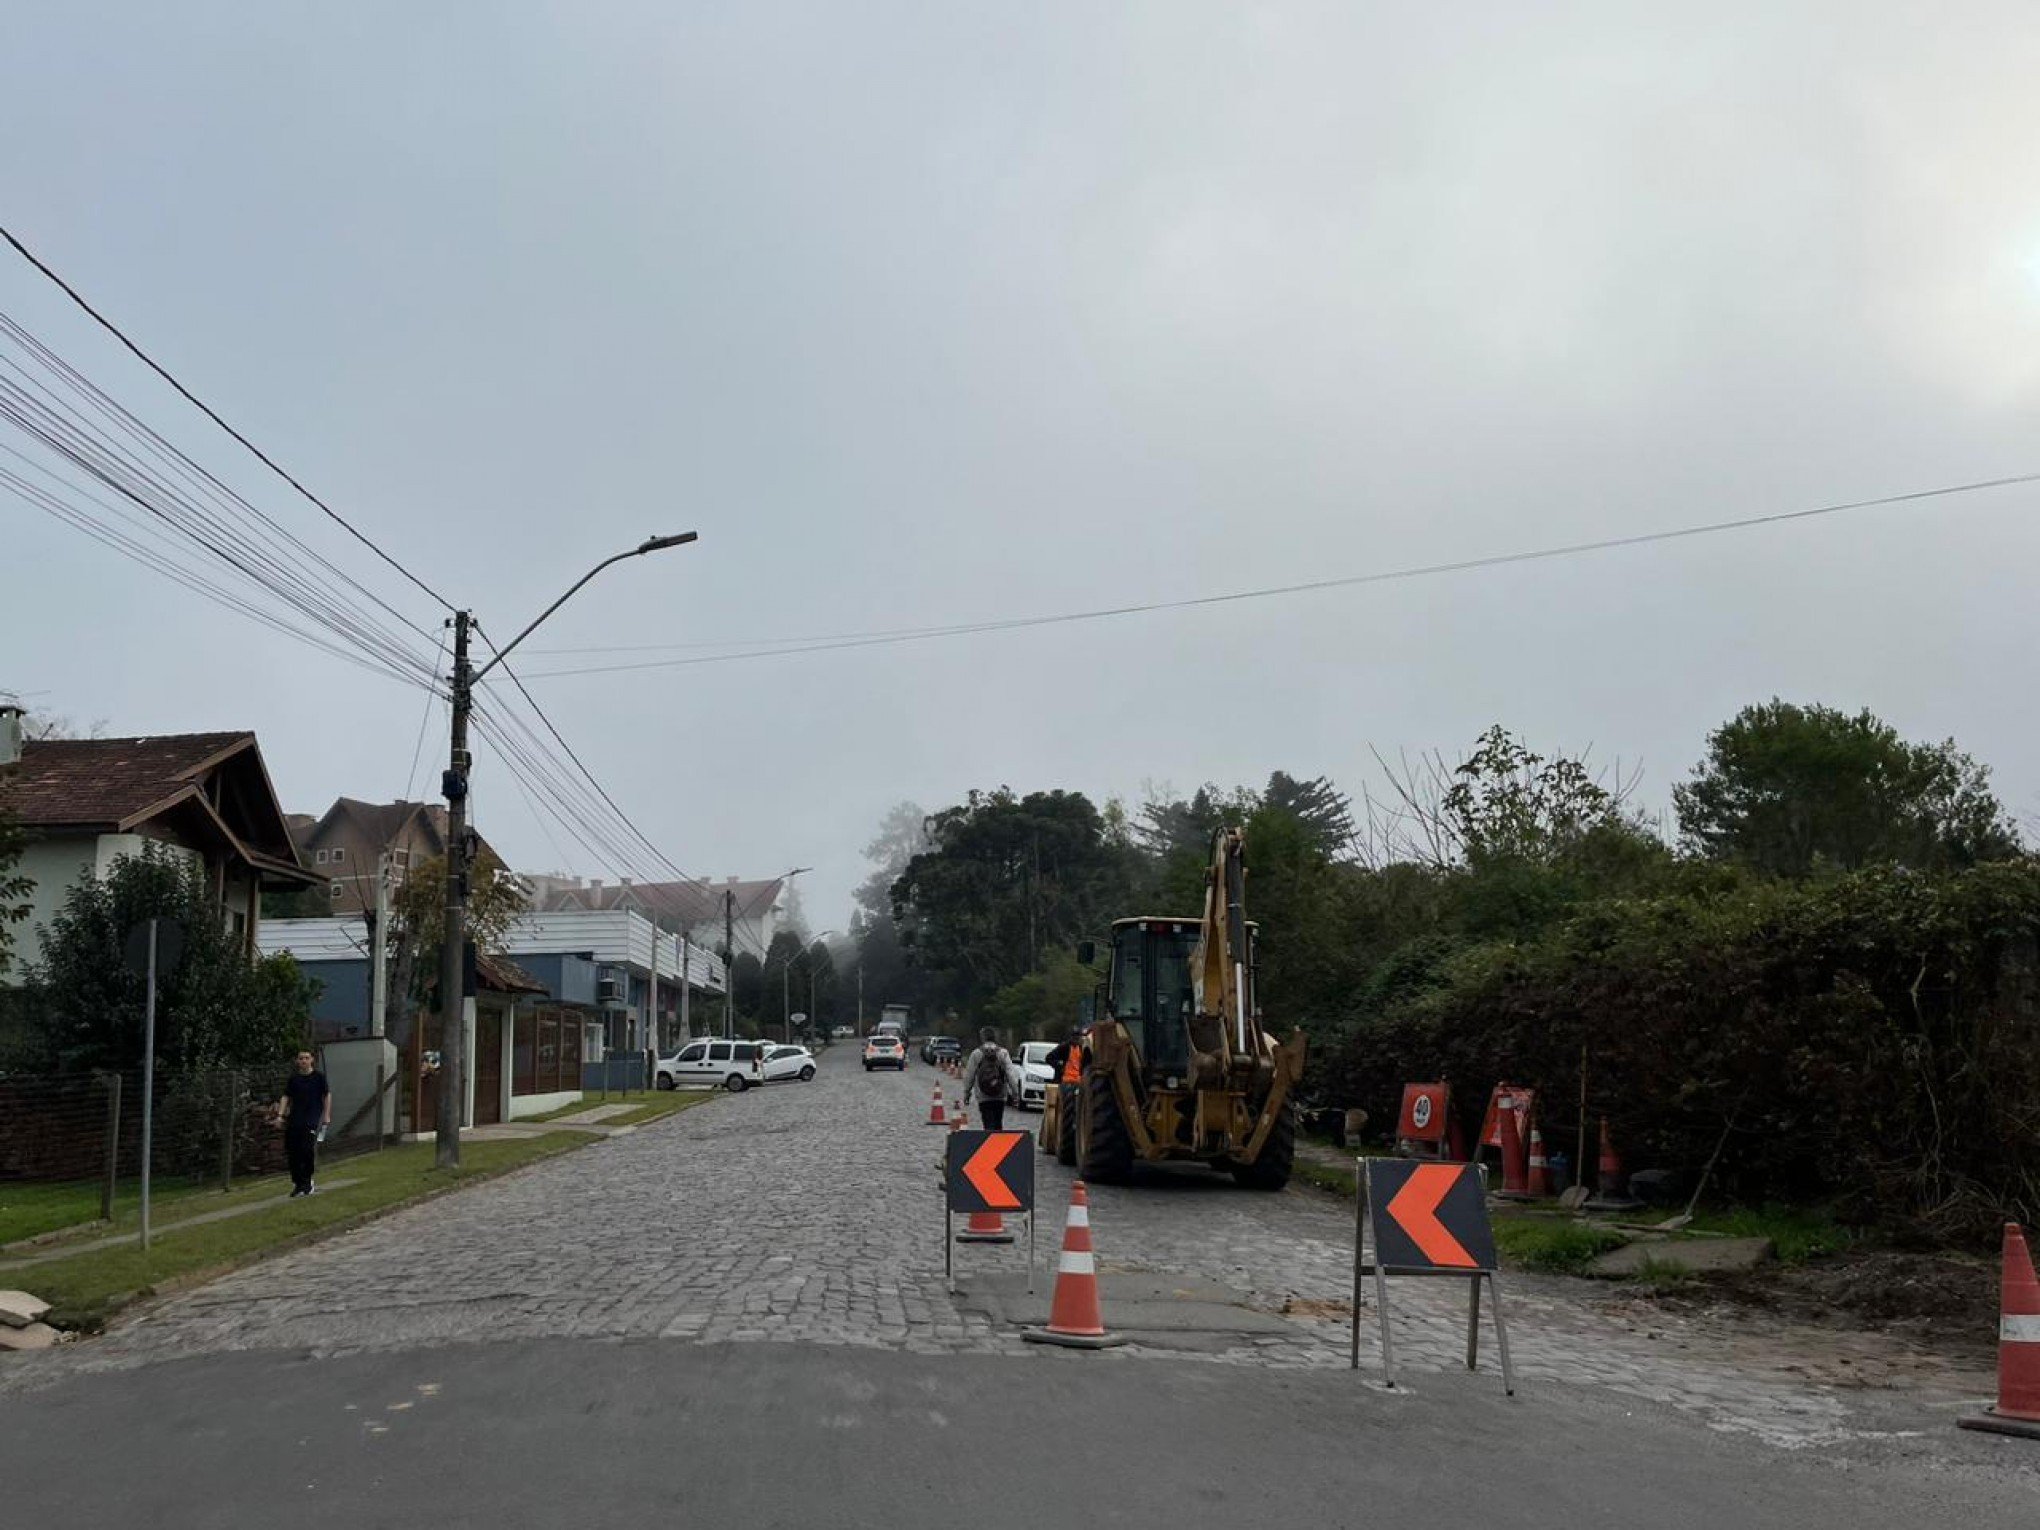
(301, 1149)
(993, 1114)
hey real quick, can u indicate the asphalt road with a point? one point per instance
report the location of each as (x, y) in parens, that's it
(737, 1316)
(587, 1433)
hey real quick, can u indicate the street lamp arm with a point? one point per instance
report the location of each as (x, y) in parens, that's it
(651, 544)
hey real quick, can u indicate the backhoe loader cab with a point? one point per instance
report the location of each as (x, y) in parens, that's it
(1150, 992)
(1179, 1065)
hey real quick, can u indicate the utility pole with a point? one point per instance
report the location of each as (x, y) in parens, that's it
(453, 944)
(652, 994)
(378, 951)
(686, 961)
(454, 786)
(729, 963)
(786, 998)
(860, 996)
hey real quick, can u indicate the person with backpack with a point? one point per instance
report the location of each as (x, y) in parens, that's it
(988, 1073)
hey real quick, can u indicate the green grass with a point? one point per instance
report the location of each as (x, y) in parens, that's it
(30, 1211)
(1552, 1246)
(1799, 1233)
(87, 1288)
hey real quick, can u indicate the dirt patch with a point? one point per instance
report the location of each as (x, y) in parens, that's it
(1946, 1301)
(1315, 1307)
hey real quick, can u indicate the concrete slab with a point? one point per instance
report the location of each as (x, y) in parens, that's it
(18, 1309)
(1700, 1256)
(34, 1336)
(1134, 1302)
(595, 1113)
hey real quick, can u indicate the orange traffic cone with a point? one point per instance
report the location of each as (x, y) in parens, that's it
(961, 1119)
(1540, 1166)
(935, 1117)
(2018, 1399)
(985, 1227)
(1074, 1319)
(1515, 1179)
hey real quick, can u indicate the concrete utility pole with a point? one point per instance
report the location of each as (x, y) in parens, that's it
(652, 994)
(454, 785)
(453, 942)
(686, 987)
(378, 952)
(729, 963)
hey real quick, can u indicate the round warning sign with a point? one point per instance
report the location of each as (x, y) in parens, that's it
(1423, 1117)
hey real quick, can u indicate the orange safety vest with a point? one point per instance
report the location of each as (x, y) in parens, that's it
(1073, 1066)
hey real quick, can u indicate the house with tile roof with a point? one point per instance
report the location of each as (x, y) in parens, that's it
(343, 844)
(204, 798)
(695, 909)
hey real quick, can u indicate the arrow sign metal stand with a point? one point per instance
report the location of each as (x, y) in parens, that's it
(1435, 1218)
(986, 1171)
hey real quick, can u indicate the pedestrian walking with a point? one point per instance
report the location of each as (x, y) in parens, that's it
(989, 1075)
(306, 1108)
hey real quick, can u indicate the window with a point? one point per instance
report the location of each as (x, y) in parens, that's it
(695, 1053)
(320, 858)
(336, 888)
(400, 857)
(339, 854)
(720, 1052)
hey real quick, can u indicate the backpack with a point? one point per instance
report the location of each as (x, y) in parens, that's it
(990, 1077)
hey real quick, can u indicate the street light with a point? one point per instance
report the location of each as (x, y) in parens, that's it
(786, 986)
(454, 784)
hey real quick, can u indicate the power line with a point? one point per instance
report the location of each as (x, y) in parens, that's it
(206, 409)
(1424, 571)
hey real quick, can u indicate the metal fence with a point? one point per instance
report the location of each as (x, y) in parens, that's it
(208, 1126)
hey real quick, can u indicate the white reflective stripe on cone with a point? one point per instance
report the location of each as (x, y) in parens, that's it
(1080, 1216)
(2020, 1328)
(1076, 1263)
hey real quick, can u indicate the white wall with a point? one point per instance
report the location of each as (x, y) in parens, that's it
(55, 866)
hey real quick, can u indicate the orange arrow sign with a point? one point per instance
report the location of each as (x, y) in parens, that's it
(982, 1170)
(1414, 1209)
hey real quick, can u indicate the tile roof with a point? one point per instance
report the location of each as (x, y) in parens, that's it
(80, 782)
(685, 902)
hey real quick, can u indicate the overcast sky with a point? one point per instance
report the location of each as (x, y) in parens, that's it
(936, 313)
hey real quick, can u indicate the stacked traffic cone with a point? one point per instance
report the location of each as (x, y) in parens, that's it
(935, 1116)
(1541, 1185)
(1515, 1169)
(2018, 1399)
(1074, 1318)
(985, 1227)
(961, 1119)
(1611, 1180)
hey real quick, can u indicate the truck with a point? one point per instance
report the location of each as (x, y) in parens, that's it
(1178, 1064)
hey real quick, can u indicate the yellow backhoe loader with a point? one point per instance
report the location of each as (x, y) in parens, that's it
(1178, 1065)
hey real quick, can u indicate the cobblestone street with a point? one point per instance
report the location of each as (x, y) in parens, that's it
(810, 1214)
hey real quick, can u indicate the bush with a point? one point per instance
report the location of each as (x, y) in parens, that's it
(1873, 1038)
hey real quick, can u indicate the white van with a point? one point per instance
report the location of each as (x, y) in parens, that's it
(731, 1065)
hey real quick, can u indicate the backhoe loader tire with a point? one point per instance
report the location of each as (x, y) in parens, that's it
(1066, 1128)
(1270, 1171)
(1104, 1150)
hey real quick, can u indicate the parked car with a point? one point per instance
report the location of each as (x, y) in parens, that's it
(843, 1032)
(731, 1065)
(783, 1063)
(941, 1049)
(1036, 1077)
(882, 1049)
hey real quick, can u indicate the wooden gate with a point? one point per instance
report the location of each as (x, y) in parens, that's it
(488, 1067)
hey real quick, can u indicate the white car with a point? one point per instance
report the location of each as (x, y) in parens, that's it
(731, 1065)
(785, 1062)
(1036, 1077)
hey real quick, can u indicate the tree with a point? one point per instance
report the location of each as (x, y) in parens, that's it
(1320, 807)
(215, 1009)
(1789, 790)
(902, 835)
(1006, 880)
(14, 888)
(1044, 1005)
(418, 924)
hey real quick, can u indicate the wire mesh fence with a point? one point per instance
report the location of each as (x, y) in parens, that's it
(209, 1125)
